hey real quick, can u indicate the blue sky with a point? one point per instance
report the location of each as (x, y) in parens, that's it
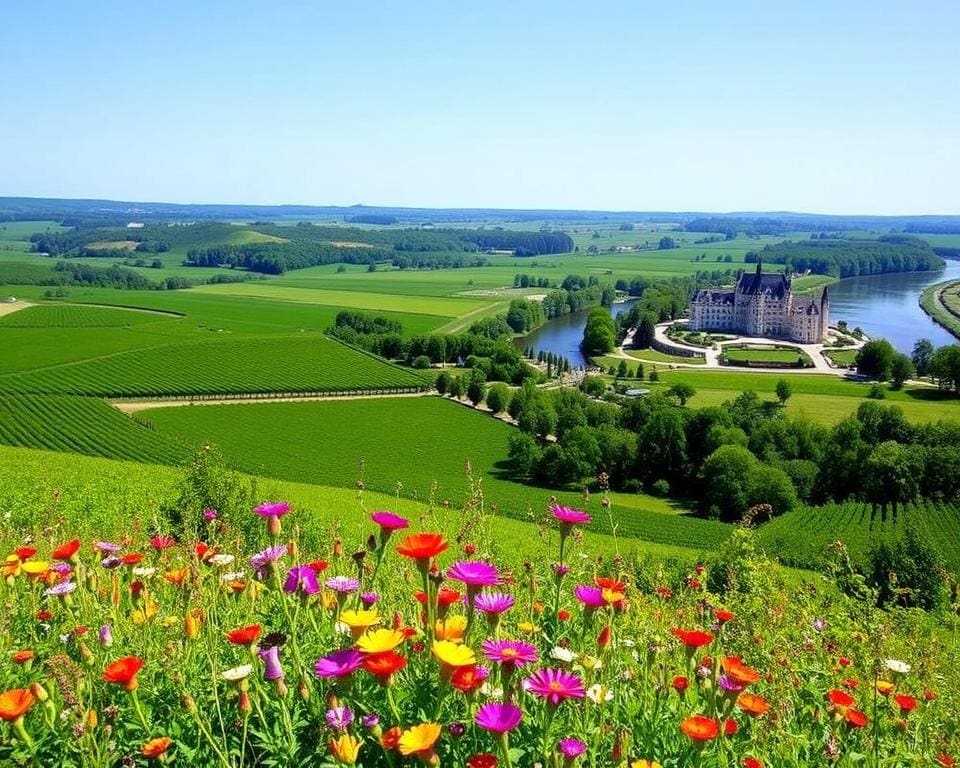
(844, 106)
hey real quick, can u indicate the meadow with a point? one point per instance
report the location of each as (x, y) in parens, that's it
(422, 448)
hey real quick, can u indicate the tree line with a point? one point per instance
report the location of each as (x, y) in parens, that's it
(850, 258)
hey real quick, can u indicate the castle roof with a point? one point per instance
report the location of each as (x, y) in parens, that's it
(752, 285)
(714, 296)
(805, 306)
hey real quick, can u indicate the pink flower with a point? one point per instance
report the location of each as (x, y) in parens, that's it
(162, 542)
(272, 509)
(591, 597)
(509, 652)
(569, 516)
(474, 573)
(493, 602)
(339, 663)
(499, 717)
(555, 685)
(389, 521)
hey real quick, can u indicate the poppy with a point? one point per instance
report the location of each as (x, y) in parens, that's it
(15, 703)
(693, 638)
(66, 551)
(124, 672)
(906, 703)
(840, 698)
(855, 718)
(700, 728)
(722, 616)
(244, 635)
(422, 546)
(156, 747)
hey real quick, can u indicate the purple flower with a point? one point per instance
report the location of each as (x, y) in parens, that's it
(107, 547)
(561, 570)
(729, 685)
(271, 663)
(499, 717)
(272, 509)
(369, 598)
(210, 514)
(493, 602)
(555, 685)
(303, 579)
(571, 749)
(590, 596)
(64, 569)
(819, 625)
(389, 521)
(456, 729)
(110, 562)
(342, 584)
(509, 652)
(339, 718)
(267, 556)
(339, 663)
(371, 720)
(62, 589)
(474, 573)
(105, 635)
(568, 516)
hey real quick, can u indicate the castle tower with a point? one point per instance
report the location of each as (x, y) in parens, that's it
(824, 314)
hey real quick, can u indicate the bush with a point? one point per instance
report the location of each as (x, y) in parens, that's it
(660, 488)
(877, 392)
(422, 362)
(909, 573)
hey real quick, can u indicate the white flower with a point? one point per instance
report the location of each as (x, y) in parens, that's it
(627, 643)
(234, 576)
(237, 673)
(562, 654)
(144, 572)
(221, 560)
(494, 693)
(598, 694)
(895, 665)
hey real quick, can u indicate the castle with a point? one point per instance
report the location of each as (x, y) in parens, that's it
(761, 305)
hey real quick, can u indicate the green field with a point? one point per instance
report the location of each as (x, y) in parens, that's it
(75, 316)
(82, 425)
(306, 363)
(942, 303)
(417, 448)
(755, 353)
(800, 538)
(842, 358)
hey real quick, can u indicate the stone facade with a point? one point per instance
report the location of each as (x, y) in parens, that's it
(761, 305)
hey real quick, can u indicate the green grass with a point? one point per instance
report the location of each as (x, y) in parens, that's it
(21, 230)
(416, 447)
(737, 355)
(811, 283)
(308, 363)
(942, 303)
(843, 358)
(82, 425)
(800, 538)
(75, 316)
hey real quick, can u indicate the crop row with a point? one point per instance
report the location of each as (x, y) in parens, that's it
(75, 316)
(308, 363)
(82, 425)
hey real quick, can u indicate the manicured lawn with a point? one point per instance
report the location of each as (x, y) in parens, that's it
(844, 358)
(757, 354)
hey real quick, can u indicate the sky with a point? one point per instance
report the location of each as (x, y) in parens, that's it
(846, 106)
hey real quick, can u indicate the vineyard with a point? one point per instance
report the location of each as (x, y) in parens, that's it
(76, 316)
(416, 448)
(82, 425)
(800, 538)
(307, 363)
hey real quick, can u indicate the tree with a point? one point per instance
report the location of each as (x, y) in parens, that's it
(524, 454)
(476, 386)
(682, 391)
(443, 383)
(456, 387)
(875, 359)
(498, 397)
(638, 374)
(922, 352)
(901, 369)
(622, 369)
(662, 446)
(784, 390)
(422, 362)
(645, 333)
(891, 475)
(599, 335)
(593, 386)
(945, 366)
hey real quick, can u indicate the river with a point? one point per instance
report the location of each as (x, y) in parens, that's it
(884, 306)
(888, 306)
(563, 334)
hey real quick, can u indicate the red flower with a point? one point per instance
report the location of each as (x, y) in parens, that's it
(44, 615)
(603, 640)
(738, 671)
(693, 638)
(422, 546)
(384, 665)
(946, 761)
(723, 616)
(840, 698)
(124, 672)
(244, 635)
(318, 566)
(563, 615)
(482, 760)
(906, 703)
(664, 592)
(730, 727)
(466, 679)
(66, 551)
(700, 728)
(131, 558)
(22, 657)
(855, 718)
(844, 661)
(852, 683)
(929, 696)
(752, 704)
(680, 684)
(25, 553)
(201, 550)
(694, 583)
(752, 762)
(611, 584)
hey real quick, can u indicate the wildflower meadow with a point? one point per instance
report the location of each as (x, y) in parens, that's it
(417, 647)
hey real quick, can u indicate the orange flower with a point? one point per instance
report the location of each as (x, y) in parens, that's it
(384, 665)
(906, 703)
(466, 679)
(738, 671)
(840, 698)
(15, 703)
(422, 546)
(22, 657)
(177, 576)
(156, 747)
(855, 718)
(752, 704)
(244, 635)
(693, 638)
(124, 672)
(700, 728)
(66, 551)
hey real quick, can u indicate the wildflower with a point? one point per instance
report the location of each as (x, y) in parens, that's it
(245, 635)
(161, 543)
(897, 667)
(571, 749)
(22, 657)
(419, 740)
(452, 655)
(569, 517)
(36, 569)
(700, 729)
(345, 749)
(906, 703)
(752, 704)
(272, 670)
(692, 638)
(555, 685)
(236, 674)
(62, 589)
(67, 552)
(272, 509)
(359, 621)
(499, 717)
(264, 560)
(840, 698)
(388, 522)
(156, 747)
(210, 514)
(25, 553)
(475, 574)
(15, 703)
(342, 584)
(564, 655)
(509, 652)
(884, 687)
(452, 628)
(752, 762)
(339, 663)
(124, 672)
(339, 718)
(946, 761)
(482, 760)
(422, 547)
(369, 598)
(469, 678)
(680, 683)
(371, 720)
(384, 665)
(598, 693)
(855, 718)
(379, 640)
(722, 616)
(591, 597)
(645, 764)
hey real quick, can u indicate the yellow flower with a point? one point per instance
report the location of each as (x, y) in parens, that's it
(35, 567)
(146, 612)
(345, 749)
(451, 629)
(645, 764)
(177, 576)
(884, 687)
(359, 621)
(380, 640)
(191, 626)
(612, 597)
(11, 566)
(328, 599)
(451, 654)
(419, 739)
(527, 628)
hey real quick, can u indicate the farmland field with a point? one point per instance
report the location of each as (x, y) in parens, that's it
(415, 448)
(82, 425)
(306, 363)
(75, 316)
(800, 538)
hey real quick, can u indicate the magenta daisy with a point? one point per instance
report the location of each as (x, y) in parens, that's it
(389, 521)
(572, 748)
(339, 663)
(569, 516)
(555, 685)
(493, 602)
(474, 573)
(499, 717)
(272, 509)
(509, 652)
(591, 597)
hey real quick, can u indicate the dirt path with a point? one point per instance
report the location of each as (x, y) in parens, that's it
(9, 307)
(133, 406)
